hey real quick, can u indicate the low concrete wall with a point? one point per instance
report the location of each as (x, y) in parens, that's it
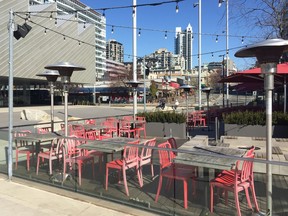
(279, 131)
(158, 129)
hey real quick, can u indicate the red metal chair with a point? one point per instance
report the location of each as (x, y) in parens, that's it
(43, 130)
(94, 135)
(198, 119)
(24, 147)
(140, 126)
(73, 155)
(167, 170)
(54, 153)
(129, 160)
(146, 156)
(240, 179)
(126, 128)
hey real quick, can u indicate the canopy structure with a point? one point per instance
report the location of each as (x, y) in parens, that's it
(253, 76)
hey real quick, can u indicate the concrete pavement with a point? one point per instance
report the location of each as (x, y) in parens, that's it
(20, 197)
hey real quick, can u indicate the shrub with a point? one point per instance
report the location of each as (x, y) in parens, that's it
(254, 118)
(159, 116)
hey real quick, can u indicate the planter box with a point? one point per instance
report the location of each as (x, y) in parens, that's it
(158, 129)
(278, 131)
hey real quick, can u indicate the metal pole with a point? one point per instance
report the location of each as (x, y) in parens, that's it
(268, 69)
(10, 93)
(52, 106)
(94, 94)
(227, 50)
(199, 53)
(144, 76)
(134, 46)
(285, 94)
(187, 132)
(66, 108)
(223, 86)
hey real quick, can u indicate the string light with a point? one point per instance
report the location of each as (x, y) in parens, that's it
(112, 30)
(84, 26)
(216, 38)
(165, 34)
(133, 12)
(76, 15)
(64, 37)
(51, 16)
(29, 16)
(139, 33)
(103, 14)
(55, 21)
(242, 40)
(79, 43)
(177, 7)
(45, 31)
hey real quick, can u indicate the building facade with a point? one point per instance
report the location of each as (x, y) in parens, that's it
(114, 51)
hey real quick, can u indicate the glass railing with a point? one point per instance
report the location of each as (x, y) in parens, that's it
(196, 166)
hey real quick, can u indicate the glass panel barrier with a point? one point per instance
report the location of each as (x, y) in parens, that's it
(198, 165)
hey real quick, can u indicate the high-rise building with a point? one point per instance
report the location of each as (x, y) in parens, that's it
(183, 45)
(114, 51)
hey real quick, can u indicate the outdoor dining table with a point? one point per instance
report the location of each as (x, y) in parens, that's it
(109, 146)
(37, 138)
(208, 157)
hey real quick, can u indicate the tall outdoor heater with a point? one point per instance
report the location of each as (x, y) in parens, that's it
(268, 53)
(207, 91)
(51, 76)
(187, 89)
(134, 85)
(65, 70)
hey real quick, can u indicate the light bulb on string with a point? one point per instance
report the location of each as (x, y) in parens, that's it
(79, 43)
(64, 37)
(112, 30)
(45, 31)
(76, 16)
(55, 21)
(242, 40)
(51, 16)
(29, 16)
(165, 34)
(133, 12)
(139, 33)
(103, 14)
(177, 7)
(216, 38)
(212, 54)
(84, 25)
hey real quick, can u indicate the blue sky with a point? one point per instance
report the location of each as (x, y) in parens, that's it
(159, 19)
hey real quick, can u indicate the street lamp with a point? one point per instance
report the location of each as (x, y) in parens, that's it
(187, 89)
(268, 53)
(134, 85)
(51, 76)
(207, 91)
(65, 70)
(223, 75)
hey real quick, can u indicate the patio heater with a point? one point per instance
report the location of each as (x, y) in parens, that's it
(207, 91)
(268, 53)
(134, 85)
(51, 76)
(187, 89)
(65, 70)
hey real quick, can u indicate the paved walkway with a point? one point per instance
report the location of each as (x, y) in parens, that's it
(19, 199)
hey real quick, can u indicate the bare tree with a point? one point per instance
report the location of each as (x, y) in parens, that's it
(266, 18)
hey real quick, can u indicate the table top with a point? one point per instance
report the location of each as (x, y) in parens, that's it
(110, 145)
(208, 156)
(36, 137)
(94, 127)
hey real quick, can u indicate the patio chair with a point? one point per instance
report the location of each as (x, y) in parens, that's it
(198, 119)
(54, 153)
(240, 179)
(129, 160)
(75, 156)
(110, 129)
(126, 128)
(43, 130)
(146, 156)
(167, 170)
(93, 135)
(24, 147)
(77, 130)
(141, 126)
